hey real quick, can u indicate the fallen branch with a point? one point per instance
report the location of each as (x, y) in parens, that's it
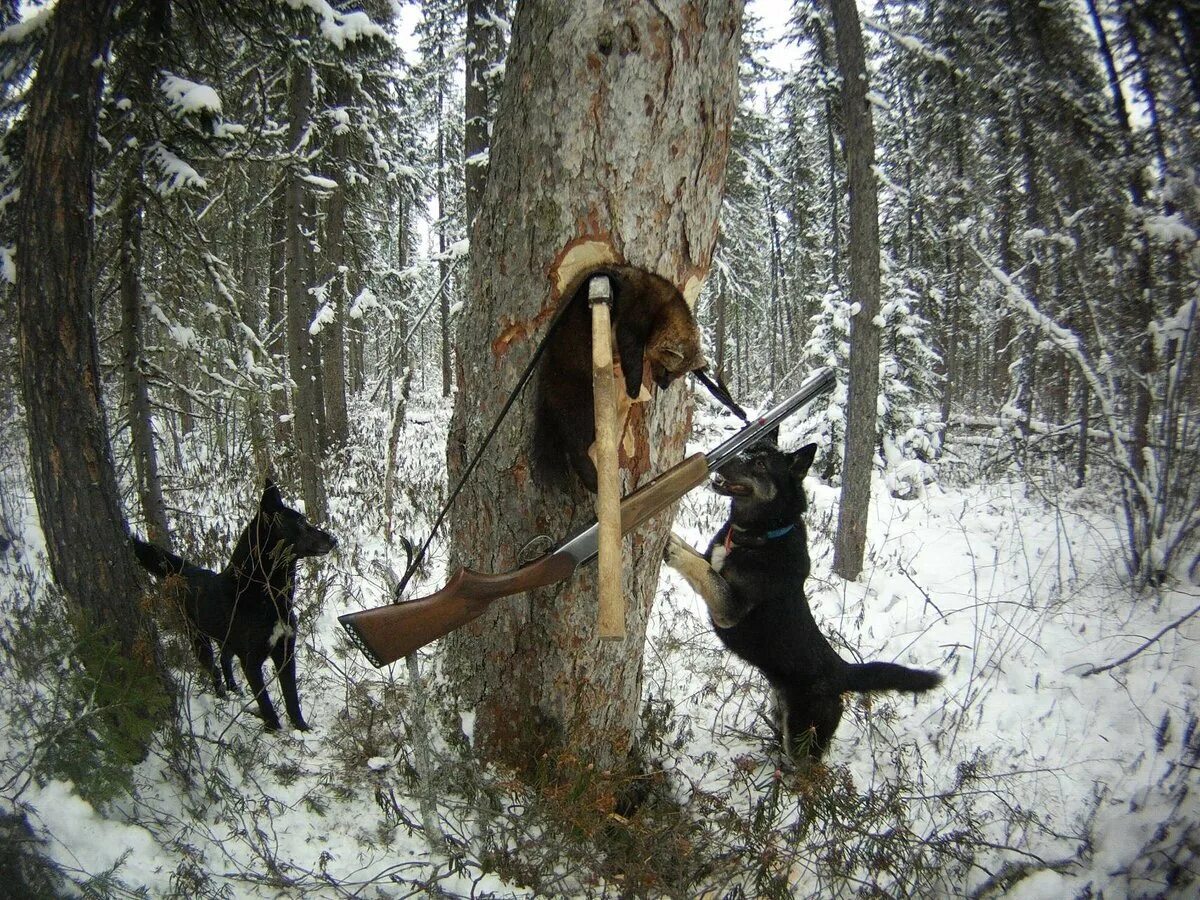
(1096, 670)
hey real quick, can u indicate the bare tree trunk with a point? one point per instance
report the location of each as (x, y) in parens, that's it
(276, 341)
(1003, 338)
(863, 375)
(1138, 310)
(70, 457)
(141, 426)
(775, 316)
(579, 175)
(333, 334)
(835, 255)
(722, 338)
(1023, 388)
(485, 48)
(443, 222)
(306, 424)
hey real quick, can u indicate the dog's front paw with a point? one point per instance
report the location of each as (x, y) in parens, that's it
(676, 551)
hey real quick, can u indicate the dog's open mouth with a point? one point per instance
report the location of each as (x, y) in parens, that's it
(723, 485)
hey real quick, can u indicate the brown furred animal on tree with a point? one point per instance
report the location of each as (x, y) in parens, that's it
(657, 339)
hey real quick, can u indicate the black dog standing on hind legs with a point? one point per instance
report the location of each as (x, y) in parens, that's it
(247, 607)
(752, 580)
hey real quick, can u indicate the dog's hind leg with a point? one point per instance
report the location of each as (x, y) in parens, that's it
(284, 655)
(712, 588)
(809, 720)
(204, 653)
(252, 666)
(227, 670)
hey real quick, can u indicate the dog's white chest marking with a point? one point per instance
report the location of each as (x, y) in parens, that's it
(281, 630)
(717, 560)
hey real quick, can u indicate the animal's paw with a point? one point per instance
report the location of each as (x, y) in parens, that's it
(271, 723)
(676, 551)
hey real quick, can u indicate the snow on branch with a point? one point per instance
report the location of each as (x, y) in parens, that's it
(19, 31)
(189, 98)
(176, 174)
(338, 28)
(325, 316)
(909, 42)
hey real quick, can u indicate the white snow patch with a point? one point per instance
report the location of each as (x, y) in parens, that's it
(19, 31)
(190, 97)
(177, 174)
(325, 184)
(362, 303)
(879, 101)
(338, 28)
(325, 315)
(1170, 229)
(79, 839)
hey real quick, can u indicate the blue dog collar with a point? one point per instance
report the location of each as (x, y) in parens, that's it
(779, 532)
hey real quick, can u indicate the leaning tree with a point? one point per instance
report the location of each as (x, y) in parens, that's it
(610, 145)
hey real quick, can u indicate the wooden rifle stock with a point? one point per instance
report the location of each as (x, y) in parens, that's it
(388, 633)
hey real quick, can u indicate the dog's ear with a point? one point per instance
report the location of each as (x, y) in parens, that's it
(270, 496)
(770, 439)
(802, 459)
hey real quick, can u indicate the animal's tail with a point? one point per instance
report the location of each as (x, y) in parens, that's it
(881, 676)
(157, 561)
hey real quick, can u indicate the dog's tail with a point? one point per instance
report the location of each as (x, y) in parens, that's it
(157, 561)
(881, 676)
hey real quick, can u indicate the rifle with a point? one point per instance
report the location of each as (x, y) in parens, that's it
(387, 633)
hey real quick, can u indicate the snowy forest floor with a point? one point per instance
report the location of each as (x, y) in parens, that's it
(1020, 775)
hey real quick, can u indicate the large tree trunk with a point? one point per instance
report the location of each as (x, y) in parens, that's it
(70, 457)
(610, 144)
(863, 377)
(302, 355)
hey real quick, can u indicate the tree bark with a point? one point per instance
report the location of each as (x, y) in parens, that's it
(835, 254)
(276, 330)
(443, 223)
(610, 144)
(141, 426)
(863, 375)
(485, 48)
(1138, 309)
(70, 456)
(333, 334)
(302, 358)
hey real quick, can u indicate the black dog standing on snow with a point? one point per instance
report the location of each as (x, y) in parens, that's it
(752, 580)
(247, 607)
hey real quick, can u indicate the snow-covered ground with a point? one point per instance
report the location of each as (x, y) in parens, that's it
(1019, 766)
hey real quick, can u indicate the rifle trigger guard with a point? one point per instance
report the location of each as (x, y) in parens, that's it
(538, 546)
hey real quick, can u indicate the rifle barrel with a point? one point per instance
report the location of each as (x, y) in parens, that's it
(387, 633)
(816, 384)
